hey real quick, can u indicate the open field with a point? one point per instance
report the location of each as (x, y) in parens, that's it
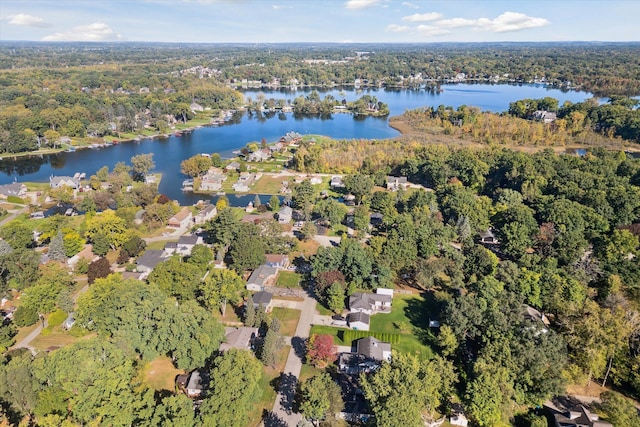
(288, 279)
(160, 374)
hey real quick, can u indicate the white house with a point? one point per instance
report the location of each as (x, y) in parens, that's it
(206, 214)
(285, 215)
(360, 302)
(359, 321)
(182, 219)
(261, 277)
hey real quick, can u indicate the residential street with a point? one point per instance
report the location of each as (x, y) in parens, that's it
(282, 408)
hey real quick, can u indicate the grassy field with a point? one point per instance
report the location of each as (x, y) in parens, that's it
(289, 319)
(269, 184)
(268, 384)
(309, 371)
(330, 330)
(160, 374)
(288, 279)
(306, 248)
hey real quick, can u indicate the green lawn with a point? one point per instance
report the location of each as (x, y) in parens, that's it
(309, 371)
(268, 384)
(330, 330)
(289, 319)
(288, 279)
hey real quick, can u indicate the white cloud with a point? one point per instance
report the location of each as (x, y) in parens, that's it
(423, 17)
(360, 4)
(279, 6)
(96, 32)
(511, 21)
(457, 23)
(27, 20)
(410, 5)
(397, 28)
(431, 30)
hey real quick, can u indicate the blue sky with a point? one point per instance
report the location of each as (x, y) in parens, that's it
(276, 21)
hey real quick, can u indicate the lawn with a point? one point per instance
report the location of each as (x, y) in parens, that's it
(56, 338)
(306, 248)
(288, 279)
(159, 244)
(289, 319)
(309, 371)
(269, 184)
(160, 374)
(330, 330)
(268, 384)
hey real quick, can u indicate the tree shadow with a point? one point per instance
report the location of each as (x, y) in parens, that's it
(270, 419)
(299, 346)
(288, 384)
(420, 313)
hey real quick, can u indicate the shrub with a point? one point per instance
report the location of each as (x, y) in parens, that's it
(82, 267)
(98, 269)
(57, 317)
(25, 316)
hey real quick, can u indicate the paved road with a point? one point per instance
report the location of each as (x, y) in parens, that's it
(283, 406)
(13, 214)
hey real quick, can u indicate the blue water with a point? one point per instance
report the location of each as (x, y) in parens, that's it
(169, 152)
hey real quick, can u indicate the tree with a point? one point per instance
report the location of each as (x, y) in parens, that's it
(7, 332)
(308, 230)
(249, 313)
(320, 350)
(176, 278)
(303, 194)
(359, 185)
(222, 229)
(134, 246)
(331, 210)
(274, 203)
(247, 249)
(235, 384)
(56, 248)
(25, 316)
(100, 245)
(195, 166)
(142, 164)
(111, 226)
(73, 242)
(335, 297)
(321, 398)
(98, 269)
(272, 344)
(618, 410)
(221, 286)
(400, 391)
(201, 255)
(17, 235)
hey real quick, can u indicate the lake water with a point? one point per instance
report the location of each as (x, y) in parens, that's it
(169, 152)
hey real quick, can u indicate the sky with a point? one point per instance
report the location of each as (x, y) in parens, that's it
(340, 21)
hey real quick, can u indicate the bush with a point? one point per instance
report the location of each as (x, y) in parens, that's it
(25, 316)
(352, 335)
(57, 317)
(82, 267)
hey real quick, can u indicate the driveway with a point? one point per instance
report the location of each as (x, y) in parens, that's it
(282, 413)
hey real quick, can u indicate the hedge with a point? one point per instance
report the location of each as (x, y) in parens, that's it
(352, 335)
(15, 199)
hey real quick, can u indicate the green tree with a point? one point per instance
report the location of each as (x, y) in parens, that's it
(272, 343)
(98, 269)
(110, 225)
(331, 210)
(17, 235)
(142, 164)
(249, 312)
(335, 297)
(247, 248)
(359, 185)
(73, 242)
(618, 410)
(303, 194)
(321, 398)
(308, 230)
(274, 203)
(201, 255)
(235, 384)
(400, 391)
(221, 286)
(176, 278)
(25, 316)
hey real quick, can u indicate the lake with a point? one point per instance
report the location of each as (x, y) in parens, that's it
(245, 128)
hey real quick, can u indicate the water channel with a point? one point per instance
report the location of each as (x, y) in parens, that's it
(244, 128)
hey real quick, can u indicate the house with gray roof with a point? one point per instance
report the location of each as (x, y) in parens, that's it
(262, 299)
(149, 259)
(360, 302)
(16, 189)
(262, 277)
(186, 243)
(285, 214)
(359, 321)
(581, 417)
(206, 214)
(241, 338)
(64, 181)
(395, 183)
(373, 348)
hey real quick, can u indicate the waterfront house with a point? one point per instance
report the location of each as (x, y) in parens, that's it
(16, 189)
(285, 215)
(182, 219)
(64, 181)
(206, 214)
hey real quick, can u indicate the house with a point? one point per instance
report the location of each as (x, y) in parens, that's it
(581, 417)
(244, 181)
(69, 322)
(149, 259)
(150, 179)
(170, 248)
(488, 238)
(458, 417)
(359, 321)
(261, 277)
(206, 214)
(197, 383)
(540, 322)
(241, 338)
(360, 302)
(196, 107)
(64, 181)
(315, 180)
(259, 156)
(374, 349)
(285, 215)
(186, 243)
(262, 299)
(212, 181)
(544, 116)
(233, 166)
(15, 189)
(336, 182)
(277, 261)
(182, 219)
(395, 183)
